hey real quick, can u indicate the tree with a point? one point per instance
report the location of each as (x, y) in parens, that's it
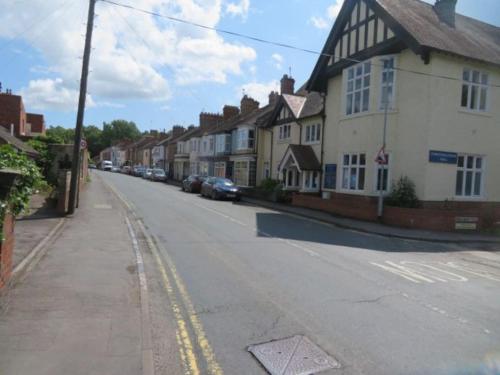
(93, 136)
(119, 130)
(58, 134)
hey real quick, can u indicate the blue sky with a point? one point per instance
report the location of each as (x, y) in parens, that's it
(158, 73)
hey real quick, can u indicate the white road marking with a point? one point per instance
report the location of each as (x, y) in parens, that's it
(404, 272)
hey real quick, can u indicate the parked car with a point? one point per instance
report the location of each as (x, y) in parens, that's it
(107, 165)
(159, 175)
(139, 171)
(92, 166)
(220, 188)
(126, 169)
(115, 169)
(192, 184)
(147, 174)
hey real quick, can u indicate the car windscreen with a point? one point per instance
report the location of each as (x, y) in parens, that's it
(224, 182)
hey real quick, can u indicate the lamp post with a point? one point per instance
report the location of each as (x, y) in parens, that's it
(382, 162)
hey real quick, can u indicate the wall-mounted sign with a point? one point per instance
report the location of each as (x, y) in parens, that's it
(443, 157)
(466, 223)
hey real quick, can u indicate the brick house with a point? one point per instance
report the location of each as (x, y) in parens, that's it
(14, 118)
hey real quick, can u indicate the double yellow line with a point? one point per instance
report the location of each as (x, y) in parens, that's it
(186, 348)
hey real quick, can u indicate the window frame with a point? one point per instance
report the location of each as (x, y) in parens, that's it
(310, 179)
(310, 130)
(376, 168)
(218, 166)
(236, 168)
(350, 102)
(358, 166)
(474, 170)
(285, 132)
(392, 104)
(479, 86)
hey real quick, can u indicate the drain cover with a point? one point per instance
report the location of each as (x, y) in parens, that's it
(296, 355)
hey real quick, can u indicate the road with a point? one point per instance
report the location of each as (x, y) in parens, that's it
(377, 305)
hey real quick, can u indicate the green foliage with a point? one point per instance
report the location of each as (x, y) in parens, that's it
(58, 134)
(29, 181)
(94, 138)
(403, 194)
(46, 157)
(270, 185)
(119, 130)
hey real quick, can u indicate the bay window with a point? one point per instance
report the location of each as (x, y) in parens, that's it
(245, 139)
(241, 170)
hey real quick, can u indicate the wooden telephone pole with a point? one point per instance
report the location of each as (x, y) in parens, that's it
(75, 166)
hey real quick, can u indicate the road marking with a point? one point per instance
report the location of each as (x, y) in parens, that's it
(404, 272)
(467, 269)
(207, 351)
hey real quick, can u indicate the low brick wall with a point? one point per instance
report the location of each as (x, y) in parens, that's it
(6, 250)
(438, 216)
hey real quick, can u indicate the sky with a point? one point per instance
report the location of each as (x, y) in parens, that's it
(156, 72)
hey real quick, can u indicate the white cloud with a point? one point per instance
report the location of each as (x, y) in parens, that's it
(331, 14)
(259, 91)
(52, 94)
(277, 61)
(238, 9)
(135, 56)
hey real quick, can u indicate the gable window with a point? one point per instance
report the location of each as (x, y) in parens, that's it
(353, 172)
(358, 88)
(474, 90)
(387, 85)
(470, 171)
(285, 132)
(313, 133)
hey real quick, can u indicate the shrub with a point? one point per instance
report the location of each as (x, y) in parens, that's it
(403, 194)
(270, 185)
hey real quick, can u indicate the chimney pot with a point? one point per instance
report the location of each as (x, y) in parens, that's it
(248, 105)
(445, 10)
(273, 97)
(230, 111)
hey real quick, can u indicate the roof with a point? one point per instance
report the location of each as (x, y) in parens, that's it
(417, 26)
(17, 143)
(469, 38)
(313, 105)
(304, 156)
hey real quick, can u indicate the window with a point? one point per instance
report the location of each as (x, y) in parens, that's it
(241, 173)
(246, 139)
(469, 176)
(220, 169)
(221, 143)
(474, 90)
(313, 133)
(285, 132)
(330, 176)
(382, 178)
(358, 88)
(311, 179)
(353, 172)
(204, 146)
(387, 84)
(211, 144)
(266, 173)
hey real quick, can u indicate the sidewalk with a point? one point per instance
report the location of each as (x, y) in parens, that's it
(78, 312)
(376, 228)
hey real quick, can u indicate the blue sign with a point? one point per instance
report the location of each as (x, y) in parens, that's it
(443, 157)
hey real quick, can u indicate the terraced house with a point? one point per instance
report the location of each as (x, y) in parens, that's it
(438, 75)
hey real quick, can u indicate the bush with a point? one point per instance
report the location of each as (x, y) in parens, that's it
(270, 185)
(46, 157)
(403, 194)
(30, 180)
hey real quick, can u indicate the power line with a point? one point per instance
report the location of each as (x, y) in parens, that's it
(270, 42)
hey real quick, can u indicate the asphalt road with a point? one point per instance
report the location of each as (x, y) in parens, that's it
(377, 305)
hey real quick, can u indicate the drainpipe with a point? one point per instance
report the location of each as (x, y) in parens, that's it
(322, 153)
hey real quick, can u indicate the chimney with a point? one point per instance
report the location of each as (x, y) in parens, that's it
(273, 97)
(248, 105)
(177, 130)
(445, 10)
(287, 85)
(209, 119)
(229, 112)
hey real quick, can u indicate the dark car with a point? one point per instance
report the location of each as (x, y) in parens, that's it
(148, 174)
(220, 188)
(158, 175)
(192, 184)
(138, 171)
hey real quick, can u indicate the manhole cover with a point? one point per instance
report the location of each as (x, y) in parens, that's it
(102, 206)
(296, 355)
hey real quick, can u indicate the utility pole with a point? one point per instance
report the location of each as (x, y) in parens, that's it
(380, 209)
(75, 166)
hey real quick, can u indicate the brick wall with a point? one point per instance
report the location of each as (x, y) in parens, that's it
(6, 250)
(12, 112)
(439, 216)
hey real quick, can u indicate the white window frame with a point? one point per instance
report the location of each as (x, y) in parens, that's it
(243, 139)
(387, 167)
(312, 133)
(474, 171)
(235, 169)
(310, 179)
(349, 167)
(482, 85)
(220, 166)
(392, 85)
(285, 132)
(353, 74)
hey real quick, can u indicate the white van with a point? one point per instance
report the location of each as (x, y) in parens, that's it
(107, 165)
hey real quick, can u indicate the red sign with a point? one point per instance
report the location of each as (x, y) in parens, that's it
(381, 157)
(83, 144)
